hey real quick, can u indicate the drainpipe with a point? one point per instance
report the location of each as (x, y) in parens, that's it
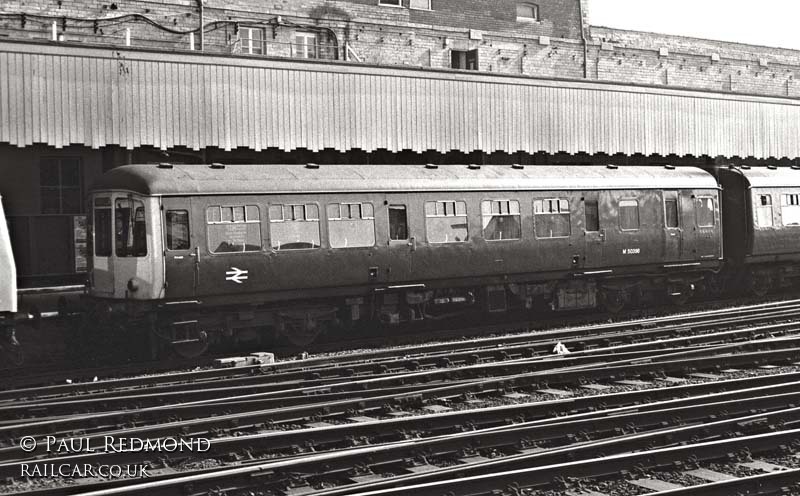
(202, 37)
(583, 39)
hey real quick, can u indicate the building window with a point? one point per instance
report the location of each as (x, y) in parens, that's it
(592, 216)
(398, 223)
(527, 12)
(629, 215)
(420, 4)
(130, 228)
(233, 229)
(790, 209)
(60, 185)
(446, 221)
(177, 229)
(704, 211)
(294, 227)
(464, 59)
(252, 40)
(351, 225)
(764, 210)
(551, 218)
(395, 3)
(501, 220)
(306, 46)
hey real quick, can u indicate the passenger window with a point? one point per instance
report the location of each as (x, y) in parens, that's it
(671, 213)
(446, 221)
(351, 225)
(790, 209)
(629, 215)
(763, 210)
(551, 218)
(592, 216)
(130, 228)
(398, 222)
(294, 227)
(177, 229)
(102, 232)
(501, 220)
(233, 229)
(704, 211)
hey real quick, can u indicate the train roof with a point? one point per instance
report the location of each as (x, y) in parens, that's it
(177, 180)
(766, 177)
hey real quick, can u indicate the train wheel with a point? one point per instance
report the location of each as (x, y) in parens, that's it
(613, 300)
(760, 283)
(192, 348)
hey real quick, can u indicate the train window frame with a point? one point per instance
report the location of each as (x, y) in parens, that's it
(676, 211)
(103, 232)
(790, 204)
(293, 208)
(509, 205)
(697, 201)
(763, 204)
(627, 203)
(357, 212)
(596, 224)
(442, 210)
(131, 241)
(551, 207)
(167, 233)
(240, 214)
(395, 227)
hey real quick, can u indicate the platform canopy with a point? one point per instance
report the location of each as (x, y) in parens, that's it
(61, 95)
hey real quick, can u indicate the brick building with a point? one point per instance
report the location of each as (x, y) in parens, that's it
(89, 85)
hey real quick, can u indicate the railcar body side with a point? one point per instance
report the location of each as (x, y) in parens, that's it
(293, 246)
(762, 224)
(8, 271)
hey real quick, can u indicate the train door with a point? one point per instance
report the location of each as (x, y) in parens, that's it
(673, 232)
(594, 234)
(181, 263)
(402, 243)
(707, 225)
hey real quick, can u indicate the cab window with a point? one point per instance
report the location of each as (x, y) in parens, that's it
(130, 228)
(102, 227)
(294, 227)
(233, 228)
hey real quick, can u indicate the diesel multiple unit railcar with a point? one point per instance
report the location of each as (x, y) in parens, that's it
(200, 253)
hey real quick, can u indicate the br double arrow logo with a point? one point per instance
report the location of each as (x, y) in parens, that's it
(236, 275)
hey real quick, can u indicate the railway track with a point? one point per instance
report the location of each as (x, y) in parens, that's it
(430, 416)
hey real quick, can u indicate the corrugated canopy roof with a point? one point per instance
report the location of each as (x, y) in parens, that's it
(250, 178)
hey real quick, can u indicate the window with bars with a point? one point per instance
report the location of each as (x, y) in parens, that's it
(233, 229)
(294, 227)
(446, 221)
(60, 185)
(763, 210)
(351, 225)
(551, 218)
(501, 220)
(790, 209)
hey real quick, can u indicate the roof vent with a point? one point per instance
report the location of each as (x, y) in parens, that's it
(473, 166)
(796, 167)
(431, 166)
(612, 166)
(164, 165)
(217, 165)
(772, 167)
(744, 167)
(669, 167)
(517, 166)
(312, 166)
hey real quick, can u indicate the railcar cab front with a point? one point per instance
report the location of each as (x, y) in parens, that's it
(126, 246)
